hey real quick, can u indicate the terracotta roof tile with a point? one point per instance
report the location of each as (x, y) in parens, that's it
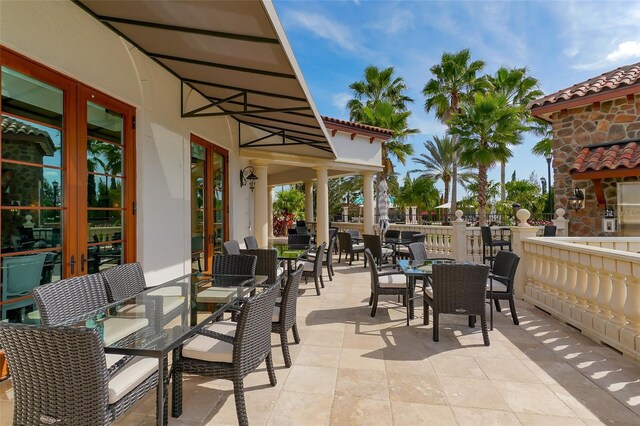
(11, 125)
(329, 120)
(627, 75)
(624, 155)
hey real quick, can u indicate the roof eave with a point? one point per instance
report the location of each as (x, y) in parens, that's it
(539, 111)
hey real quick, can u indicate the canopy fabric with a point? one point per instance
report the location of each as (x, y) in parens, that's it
(236, 55)
(383, 205)
(444, 206)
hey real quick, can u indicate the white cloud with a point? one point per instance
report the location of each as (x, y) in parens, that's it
(325, 28)
(339, 100)
(396, 21)
(625, 51)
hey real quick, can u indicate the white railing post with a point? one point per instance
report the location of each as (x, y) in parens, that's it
(459, 238)
(518, 235)
(630, 335)
(562, 230)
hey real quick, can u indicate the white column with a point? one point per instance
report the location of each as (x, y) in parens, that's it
(308, 198)
(368, 209)
(322, 205)
(562, 228)
(414, 215)
(270, 210)
(459, 238)
(407, 215)
(518, 235)
(345, 214)
(261, 206)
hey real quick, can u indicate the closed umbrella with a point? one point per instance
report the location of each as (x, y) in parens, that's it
(383, 206)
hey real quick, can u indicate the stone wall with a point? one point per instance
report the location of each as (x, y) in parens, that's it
(612, 121)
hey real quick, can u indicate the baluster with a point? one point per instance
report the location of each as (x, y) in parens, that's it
(632, 304)
(570, 285)
(581, 286)
(562, 278)
(618, 296)
(604, 294)
(533, 259)
(553, 274)
(593, 285)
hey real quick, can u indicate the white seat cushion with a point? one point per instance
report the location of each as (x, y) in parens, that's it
(497, 286)
(276, 314)
(280, 271)
(358, 246)
(118, 328)
(112, 359)
(429, 292)
(308, 266)
(393, 281)
(387, 251)
(169, 303)
(167, 291)
(131, 375)
(210, 349)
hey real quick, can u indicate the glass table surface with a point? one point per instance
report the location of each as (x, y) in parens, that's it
(420, 267)
(289, 251)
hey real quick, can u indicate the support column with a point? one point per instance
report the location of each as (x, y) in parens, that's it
(414, 215)
(459, 238)
(322, 205)
(518, 235)
(270, 211)
(308, 199)
(368, 209)
(261, 205)
(562, 228)
(345, 214)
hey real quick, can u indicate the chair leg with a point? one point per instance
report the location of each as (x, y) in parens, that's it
(340, 256)
(351, 260)
(436, 323)
(241, 409)
(284, 342)
(472, 321)
(329, 272)
(497, 302)
(514, 315)
(176, 388)
(315, 279)
(272, 373)
(371, 299)
(425, 321)
(321, 281)
(296, 336)
(485, 332)
(375, 304)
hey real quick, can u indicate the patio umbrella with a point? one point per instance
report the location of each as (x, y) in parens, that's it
(383, 206)
(444, 206)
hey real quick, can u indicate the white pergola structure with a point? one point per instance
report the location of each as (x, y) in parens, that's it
(358, 150)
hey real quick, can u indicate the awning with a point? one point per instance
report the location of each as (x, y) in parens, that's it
(236, 55)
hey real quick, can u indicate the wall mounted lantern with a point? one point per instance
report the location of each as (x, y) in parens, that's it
(576, 201)
(248, 177)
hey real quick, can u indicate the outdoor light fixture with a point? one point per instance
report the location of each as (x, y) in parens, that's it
(549, 156)
(248, 177)
(576, 201)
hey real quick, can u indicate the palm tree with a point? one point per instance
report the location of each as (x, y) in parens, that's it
(385, 115)
(454, 81)
(519, 89)
(378, 86)
(437, 163)
(485, 128)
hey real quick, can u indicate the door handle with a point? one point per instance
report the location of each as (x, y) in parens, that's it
(83, 260)
(72, 263)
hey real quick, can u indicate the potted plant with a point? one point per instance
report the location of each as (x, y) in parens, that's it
(4, 368)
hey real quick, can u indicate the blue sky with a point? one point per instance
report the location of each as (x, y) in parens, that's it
(561, 42)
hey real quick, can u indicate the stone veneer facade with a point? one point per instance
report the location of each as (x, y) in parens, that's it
(614, 120)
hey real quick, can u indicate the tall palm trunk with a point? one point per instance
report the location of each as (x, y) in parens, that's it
(454, 176)
(503, 172)
(447, 186)
(482, 194)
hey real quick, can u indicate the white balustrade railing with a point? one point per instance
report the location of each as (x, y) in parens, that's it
(589, 284)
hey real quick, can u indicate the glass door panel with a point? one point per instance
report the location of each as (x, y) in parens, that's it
(33, 178)
(199, 200)
(219, 204)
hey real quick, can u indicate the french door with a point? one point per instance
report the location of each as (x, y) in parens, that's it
(209, 202)
(68, 183)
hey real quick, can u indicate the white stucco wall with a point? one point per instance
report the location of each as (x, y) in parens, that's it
(60, 35)
(358, 150)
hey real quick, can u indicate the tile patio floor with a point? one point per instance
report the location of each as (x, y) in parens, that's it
(353, 369)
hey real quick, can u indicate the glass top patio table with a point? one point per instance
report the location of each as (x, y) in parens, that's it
(420, 268)
(161, 318)
(289, 251)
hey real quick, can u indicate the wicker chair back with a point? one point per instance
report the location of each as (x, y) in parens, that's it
(549, 231)
(298, 240)
(417, 251)
(408, 235)
(290, 299)
(266, 263)
(124, 281)
(70, 298)
(505, 265)
(251, 242)
(345, 242)
(418, 238)
(234, 264)
(459, 289)
(231, 247)
(392, 233)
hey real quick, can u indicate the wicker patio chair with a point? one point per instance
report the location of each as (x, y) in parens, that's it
(460, 290)
(327, 259)
(284, 314)
(299, 240)
(408, 235)
(251, 242)
(549, 231)
(70, 298)
(312, 268)
(347, 247)
(392, 281)
(414, 237)
(392, 233)
(61, 376)
(234, 264)
(229, 351)
(231, 247)
(489, 242)
(501, 279)
(379, 252)
(267, 264)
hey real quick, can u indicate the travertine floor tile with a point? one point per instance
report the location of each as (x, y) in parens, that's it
(349, 410)
(472, 393)
(532, 398)
(365, 384)
(410, 413)
(319, 356)
(361, 359)
(481, 416)
(418, 388)
(298, 409)
(317, 380)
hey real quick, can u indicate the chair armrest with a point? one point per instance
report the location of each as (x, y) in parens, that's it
(384, 274)
(216, 335)
(380, 268)
(499, 278)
